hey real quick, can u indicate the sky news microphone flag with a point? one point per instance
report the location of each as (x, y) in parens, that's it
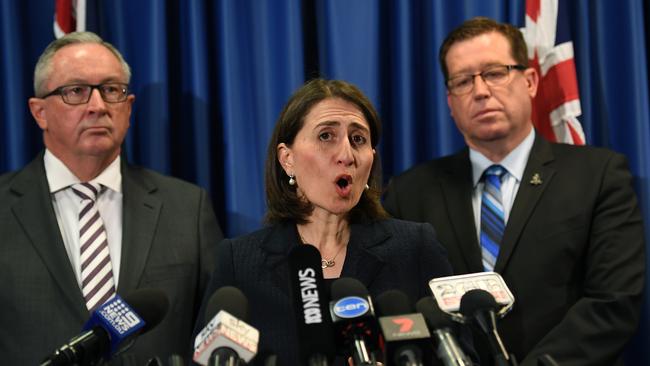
(556, 106)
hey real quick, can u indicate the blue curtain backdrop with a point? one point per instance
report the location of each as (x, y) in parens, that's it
(210, 78)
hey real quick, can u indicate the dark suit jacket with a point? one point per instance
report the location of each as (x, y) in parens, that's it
(573, 252)
(384, 255)
(169, 239)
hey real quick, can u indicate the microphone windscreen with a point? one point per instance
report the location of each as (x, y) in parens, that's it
(477, 300)
(346, 286)
(150, 304)
(393, 302)
(230, 299)
(434, 317)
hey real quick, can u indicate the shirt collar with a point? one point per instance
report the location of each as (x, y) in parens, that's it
(60, 177)
(514, 162)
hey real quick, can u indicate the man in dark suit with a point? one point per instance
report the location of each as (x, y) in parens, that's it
(563, 227)
(156, 231)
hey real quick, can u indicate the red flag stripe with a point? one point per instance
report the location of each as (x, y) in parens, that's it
(576, 137)
(560, 85)
(533, 9)
(64, 16)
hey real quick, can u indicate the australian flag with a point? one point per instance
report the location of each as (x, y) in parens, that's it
(550, 50)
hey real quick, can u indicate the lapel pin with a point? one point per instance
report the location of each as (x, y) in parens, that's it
(536, 179)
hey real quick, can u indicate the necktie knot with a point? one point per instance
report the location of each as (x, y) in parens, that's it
(494, 174)
(495, 170)
(87, 190)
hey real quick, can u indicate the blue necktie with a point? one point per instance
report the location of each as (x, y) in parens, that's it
(492, 217)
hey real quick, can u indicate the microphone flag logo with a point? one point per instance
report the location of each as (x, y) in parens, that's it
(405, 324)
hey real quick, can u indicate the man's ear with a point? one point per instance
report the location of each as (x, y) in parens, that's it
(285, 157)
(451, 111)
(532, 80)
(37, 108)
(129, 100)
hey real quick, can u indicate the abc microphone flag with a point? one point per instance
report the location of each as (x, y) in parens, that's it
(310, 300)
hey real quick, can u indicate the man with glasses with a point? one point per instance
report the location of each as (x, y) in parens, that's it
(79, 225)
(560, 223)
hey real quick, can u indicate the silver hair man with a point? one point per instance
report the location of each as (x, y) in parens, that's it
(44, 64)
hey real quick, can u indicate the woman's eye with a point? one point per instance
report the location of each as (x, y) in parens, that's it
(325, 136)
(359, 139)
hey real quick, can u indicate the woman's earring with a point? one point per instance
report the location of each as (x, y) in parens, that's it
(292, 182)
(367, 187)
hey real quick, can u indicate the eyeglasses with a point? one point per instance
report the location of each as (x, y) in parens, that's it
(80, 93)
(493, 76)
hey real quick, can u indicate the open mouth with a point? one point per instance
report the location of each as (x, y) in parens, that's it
(342, 182)
(344, 185)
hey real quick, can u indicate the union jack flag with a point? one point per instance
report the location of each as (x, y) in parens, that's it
(550, 51)
(69, 16)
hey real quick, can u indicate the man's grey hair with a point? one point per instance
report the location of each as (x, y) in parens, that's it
(43, 67)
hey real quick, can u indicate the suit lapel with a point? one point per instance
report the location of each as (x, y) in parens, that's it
(361, 262)
(33, 210)
(457, 191)
(537, 176)
(141, 209)
(277, 244)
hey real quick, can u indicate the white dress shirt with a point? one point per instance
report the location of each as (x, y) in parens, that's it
(514, 163)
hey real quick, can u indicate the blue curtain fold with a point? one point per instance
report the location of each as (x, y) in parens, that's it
(259, 62)
(210, 78)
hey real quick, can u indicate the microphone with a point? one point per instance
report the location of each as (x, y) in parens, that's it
(226, 340)
(315, 333)
(112, 328)
(448, 350)
(449, 290)
(405, 332)
(481, 307)
(353, 317)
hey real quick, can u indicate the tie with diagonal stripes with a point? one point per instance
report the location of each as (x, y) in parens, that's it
(97, 283)
(492, 217)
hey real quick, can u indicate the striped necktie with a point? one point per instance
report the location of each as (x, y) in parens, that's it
(97, 284)
(492, 217)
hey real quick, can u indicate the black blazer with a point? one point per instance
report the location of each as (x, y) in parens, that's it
(573, 251)
(384, 255)
(169, 238)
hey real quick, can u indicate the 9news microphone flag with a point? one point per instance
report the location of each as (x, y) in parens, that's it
(550, 51)
(69, 16)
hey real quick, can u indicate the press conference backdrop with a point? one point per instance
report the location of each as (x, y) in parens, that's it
(210, 78)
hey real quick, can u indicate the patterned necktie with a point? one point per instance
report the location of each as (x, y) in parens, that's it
(492, 217)
(97, 283)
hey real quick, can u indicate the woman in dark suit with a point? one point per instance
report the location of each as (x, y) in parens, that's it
(323, 184)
